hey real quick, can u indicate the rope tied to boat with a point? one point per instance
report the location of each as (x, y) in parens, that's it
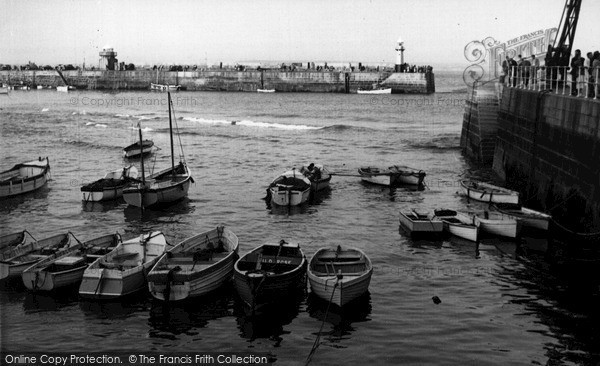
(317, 340)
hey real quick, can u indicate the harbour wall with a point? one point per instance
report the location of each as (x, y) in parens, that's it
(480, 125)
(229, 80)
(548, 148)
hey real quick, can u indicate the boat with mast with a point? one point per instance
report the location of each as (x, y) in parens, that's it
(165, 187)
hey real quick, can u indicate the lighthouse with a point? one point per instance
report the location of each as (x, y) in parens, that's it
(108, 59)
(399, 55)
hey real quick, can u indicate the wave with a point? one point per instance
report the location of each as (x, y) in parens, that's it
(250, 123)
(81, 143)
(122, 115)
(145, 129)
(450, 142)
(45, 110)
(340, 128)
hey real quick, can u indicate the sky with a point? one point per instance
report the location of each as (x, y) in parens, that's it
(150, 32)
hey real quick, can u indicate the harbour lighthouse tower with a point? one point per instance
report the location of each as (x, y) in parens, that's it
(108, 59)
(399, 55)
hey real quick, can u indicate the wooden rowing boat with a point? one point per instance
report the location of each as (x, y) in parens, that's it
(486, 192)
(420, 223)
(459, 224)
(134, 151)
(270, 273)
(318, 175)
(339, 275)
(291, 188)
(123, 270)
(496, 223)
(24, 177)
(195, 267)
(111, 186)
(66, 267)
(15, 261)
(526, 216)
(392, 176)
(10, 241)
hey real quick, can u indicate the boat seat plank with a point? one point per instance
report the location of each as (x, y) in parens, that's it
(69, 261)
(124, 256)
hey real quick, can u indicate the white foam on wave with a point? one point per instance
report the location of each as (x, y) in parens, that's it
(144, 118)
(275, 125)
(89, 123)
(101, 125)
(45, 110)
(122, 115)
(208, 121)
(251, 123)
(145, 129)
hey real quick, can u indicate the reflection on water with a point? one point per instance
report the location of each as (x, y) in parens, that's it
(135, 217)
(50, 301)
(341, 318)
(318, 197)
(22, 201)
(115, 309)
(103, 206)
(170, 319)
(269, 322)
(287, 210)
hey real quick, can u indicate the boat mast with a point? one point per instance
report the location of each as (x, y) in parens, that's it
(171, 133)
(142, 156)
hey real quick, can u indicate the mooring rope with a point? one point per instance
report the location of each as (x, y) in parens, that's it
(316, 343)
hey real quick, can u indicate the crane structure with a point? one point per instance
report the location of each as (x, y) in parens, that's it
(559, 53)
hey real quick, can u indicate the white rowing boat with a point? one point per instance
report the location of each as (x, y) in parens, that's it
(420, 223)
(66, 267)
(123, 270)
(526, 216)
(291, 188)
(24, 177)
(459, 224)
(195, 267)
(486, 192)
(496, 223)
(339, 275)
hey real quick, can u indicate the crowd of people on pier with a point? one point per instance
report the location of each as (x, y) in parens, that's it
(527, 71)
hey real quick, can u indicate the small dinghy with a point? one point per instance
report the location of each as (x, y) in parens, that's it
(496, 223)
(486, 192)
(10, 241)
(24, 177)
(526, 216)
(111, 186)
(164, 87)
(66, 267)
(265, 90)
(123, 270)
(15, 261)
(291, 188)
(134, 151)
(339, 275)
(392, 176)
(318, 175)
(195, 267)
(459, 224)
(270, 273)
(420, 223)
(375, 91)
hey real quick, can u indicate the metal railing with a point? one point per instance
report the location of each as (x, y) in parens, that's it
(583, 82)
